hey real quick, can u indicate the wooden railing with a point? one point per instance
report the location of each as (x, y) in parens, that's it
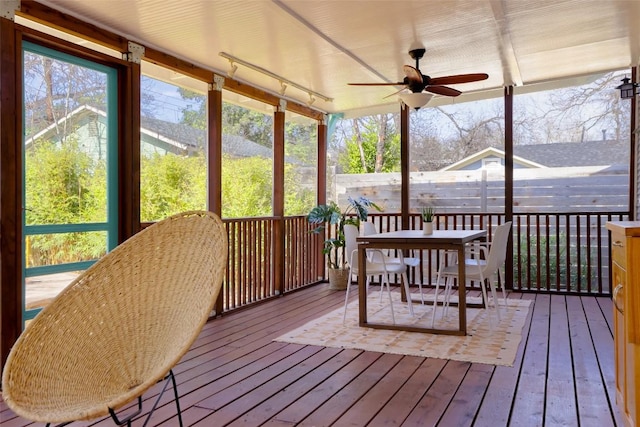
(552, 252)
(253, 262)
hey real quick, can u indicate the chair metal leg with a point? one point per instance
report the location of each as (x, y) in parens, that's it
(127, 420)
(435, 297)
(501, 283)
(172, 378)
(448, 280)
(492, 288)
(346, 298)
(385, 277)
(407, 291)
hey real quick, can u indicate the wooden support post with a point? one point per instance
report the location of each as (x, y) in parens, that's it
(11, 249)
(404, 166)
(278, 197)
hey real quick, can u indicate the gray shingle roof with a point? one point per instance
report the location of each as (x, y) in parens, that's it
(588, 153)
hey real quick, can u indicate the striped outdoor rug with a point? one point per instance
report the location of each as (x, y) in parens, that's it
(488, 340)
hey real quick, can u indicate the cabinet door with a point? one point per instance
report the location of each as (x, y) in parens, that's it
(619, 280)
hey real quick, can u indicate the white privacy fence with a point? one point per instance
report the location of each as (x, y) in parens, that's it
(560, 243)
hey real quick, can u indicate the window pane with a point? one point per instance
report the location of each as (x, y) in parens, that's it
(173, 161)
(247, 160)
(66, 128)
(61, 248)
(70, 159)
(571, 148)
(457, 157)
(301, 163)
(363, 159)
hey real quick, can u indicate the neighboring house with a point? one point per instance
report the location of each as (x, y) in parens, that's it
(563, 154)
(487, 158)
(88, 125)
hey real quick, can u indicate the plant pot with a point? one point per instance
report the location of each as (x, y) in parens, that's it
(428, 228)
(338, 279)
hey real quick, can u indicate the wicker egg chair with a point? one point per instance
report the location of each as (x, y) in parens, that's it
(121, 326)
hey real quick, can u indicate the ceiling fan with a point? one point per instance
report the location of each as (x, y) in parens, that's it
(416, 82)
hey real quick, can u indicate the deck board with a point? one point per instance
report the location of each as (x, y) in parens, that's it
(529, 397)
(235, 374)
(560, 408)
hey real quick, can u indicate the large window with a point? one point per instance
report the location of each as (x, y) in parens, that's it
(456, 154)
(247, 160)
(571, 172)
(301, 164)
(571, 148)
(457, 157)
(363, 159)
(70, 163)
(173, 160)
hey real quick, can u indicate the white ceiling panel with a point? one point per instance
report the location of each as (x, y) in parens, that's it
(323, 45)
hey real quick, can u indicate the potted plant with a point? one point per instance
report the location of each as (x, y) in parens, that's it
(428, 214)
(330, 214)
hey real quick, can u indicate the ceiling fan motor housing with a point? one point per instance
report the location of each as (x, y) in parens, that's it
(417, 53)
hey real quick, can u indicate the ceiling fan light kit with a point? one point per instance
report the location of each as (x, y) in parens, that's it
(415, 100)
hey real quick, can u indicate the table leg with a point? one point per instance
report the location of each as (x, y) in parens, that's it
(462, 291)
(362, 286)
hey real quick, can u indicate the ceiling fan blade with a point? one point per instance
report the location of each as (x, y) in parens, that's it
(413, 75)
(376, 84)
(394, 93)
(459, 78)
(443, 90)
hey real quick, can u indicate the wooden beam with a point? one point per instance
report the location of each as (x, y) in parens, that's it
(69, 24)
(178, 65)
(11, 248)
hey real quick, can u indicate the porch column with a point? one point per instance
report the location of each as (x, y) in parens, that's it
(404, 166)
(214, 146)
(508, 178)
(321, 187)
(278, 196)
(129, 143)
(11, 187)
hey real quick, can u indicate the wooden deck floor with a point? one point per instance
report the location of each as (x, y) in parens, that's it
(236, 375)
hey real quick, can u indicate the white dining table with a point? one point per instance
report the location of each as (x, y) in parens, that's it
(416, 239)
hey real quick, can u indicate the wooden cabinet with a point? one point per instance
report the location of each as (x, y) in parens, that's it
(625, 265)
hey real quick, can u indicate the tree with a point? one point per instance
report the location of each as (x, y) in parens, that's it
(372, 147)
(63, 185)
(170, 184)
(246, 187)
(586, 112)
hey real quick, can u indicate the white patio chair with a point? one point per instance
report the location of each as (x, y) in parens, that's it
(482, 261)
(369, 228)
(373, 268)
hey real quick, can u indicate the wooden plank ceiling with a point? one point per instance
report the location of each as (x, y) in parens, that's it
(323, 45)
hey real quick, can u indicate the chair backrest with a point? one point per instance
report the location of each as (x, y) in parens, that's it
(368, 228)
(351, 245)
(498, 250)
(121, 325)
